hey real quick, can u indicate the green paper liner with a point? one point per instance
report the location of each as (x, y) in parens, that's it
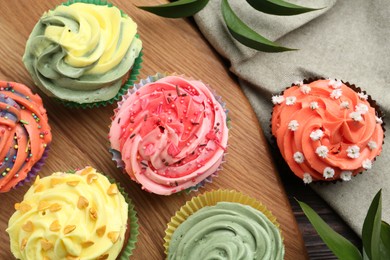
(129, 83)
(128, 248)
(134, 70)
(211, 198)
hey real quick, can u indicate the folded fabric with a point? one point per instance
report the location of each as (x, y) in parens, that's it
(347, 40)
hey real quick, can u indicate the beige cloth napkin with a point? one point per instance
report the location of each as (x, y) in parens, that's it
(347, 40)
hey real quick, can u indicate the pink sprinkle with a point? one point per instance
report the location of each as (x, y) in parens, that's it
(149, 150)
(173, 150)
(198, 99)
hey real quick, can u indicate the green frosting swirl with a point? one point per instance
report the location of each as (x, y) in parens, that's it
(82, 52)
(226, 231)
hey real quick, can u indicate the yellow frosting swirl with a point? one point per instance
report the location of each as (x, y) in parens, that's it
(98, 39)
(69, 216)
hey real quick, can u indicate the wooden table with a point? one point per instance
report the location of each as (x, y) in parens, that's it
(80, 136)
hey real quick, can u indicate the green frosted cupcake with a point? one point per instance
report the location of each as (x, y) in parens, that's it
(84, 54)
(223, 224)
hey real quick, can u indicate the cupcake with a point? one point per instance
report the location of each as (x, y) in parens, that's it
(327, 130)
(169, 133)
(24, 134)
(223, 225)
(73, 216)
(84, 54)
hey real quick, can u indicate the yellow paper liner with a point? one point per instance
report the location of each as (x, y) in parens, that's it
(211, 198)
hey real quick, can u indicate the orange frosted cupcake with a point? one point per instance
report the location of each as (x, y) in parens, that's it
(326, 129)
(24, 134)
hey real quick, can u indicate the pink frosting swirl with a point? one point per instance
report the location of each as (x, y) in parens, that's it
(326, 131)
(171, 134)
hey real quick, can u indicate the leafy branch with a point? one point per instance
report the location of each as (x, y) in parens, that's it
(237, 28)
(375, 234)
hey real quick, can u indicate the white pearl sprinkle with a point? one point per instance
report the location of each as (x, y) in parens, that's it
(307, 178)
(362, 96)
(314, 105)
(305, 89)
(367, 164)
(336, 94)
(298, 83)
(278, 99)
(378, 120)
(322, 151)
(293, 125)
(328, 173)
(372, 145)
(298, 157)
(290, 100)
(353, 151)
(346, 175)
(361, 108)
(344, 105)
(335, 83)
(356, 116)
(316, 135)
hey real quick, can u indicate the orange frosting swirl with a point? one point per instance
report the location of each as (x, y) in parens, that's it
(24, 133)
(326, 131)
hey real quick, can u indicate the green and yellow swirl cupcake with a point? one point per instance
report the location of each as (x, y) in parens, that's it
(73, 216)
(223, 224)
(84, 54)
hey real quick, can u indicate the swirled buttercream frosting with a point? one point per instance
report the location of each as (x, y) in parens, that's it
(82, 52)
(226, 231)
(24, 133)
(69, 216)
(171, 134)
(326, 130)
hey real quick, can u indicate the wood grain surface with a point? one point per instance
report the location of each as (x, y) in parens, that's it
(80, 136)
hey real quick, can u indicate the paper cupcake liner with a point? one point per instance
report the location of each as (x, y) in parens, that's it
(128, 248)
(116, 155)
(35, 169)
(211, 199)
(130, 81)
(371, 101)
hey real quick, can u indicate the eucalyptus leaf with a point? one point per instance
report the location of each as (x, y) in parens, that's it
(372, 228)
(385, 241)
(245, 35)
(177, 9)
(279, 7)
(339, 245)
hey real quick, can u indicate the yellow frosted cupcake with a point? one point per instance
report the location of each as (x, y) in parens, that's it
(84, 54)
(72, 216)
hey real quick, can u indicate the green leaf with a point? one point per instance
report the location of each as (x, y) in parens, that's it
(177, 9)
(339, 245)
(245, 35)
(385, 241)
(279, 7)
(372, 228)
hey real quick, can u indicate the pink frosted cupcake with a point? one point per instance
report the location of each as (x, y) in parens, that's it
(327, 130)
(170, 133)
